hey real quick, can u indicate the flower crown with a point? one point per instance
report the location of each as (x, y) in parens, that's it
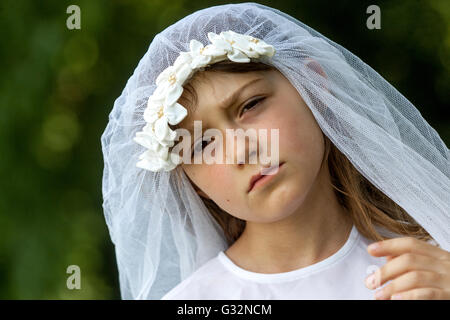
(162, 107)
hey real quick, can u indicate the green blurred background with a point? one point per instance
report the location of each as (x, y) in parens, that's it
(59, 85)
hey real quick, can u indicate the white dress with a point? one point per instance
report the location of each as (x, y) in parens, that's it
(340, 276)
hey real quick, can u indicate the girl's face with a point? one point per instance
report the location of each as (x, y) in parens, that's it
(301, 144)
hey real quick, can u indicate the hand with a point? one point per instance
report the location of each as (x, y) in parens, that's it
(418, 270)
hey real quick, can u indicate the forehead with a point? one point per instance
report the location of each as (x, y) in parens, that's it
(217, 90)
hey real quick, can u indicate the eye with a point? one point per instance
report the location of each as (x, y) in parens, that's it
(203, 145)
(251, 104)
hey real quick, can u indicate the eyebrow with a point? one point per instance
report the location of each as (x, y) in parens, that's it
(233, 97)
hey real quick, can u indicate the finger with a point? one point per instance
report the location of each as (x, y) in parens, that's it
(398, 246)
(389, 258)
(408, 281)
(422, 294)
(405, 263)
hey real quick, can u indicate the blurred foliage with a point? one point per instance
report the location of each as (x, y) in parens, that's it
(58, 86)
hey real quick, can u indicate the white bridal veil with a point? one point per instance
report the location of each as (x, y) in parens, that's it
(162, 231)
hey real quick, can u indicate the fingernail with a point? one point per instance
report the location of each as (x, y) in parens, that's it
(396, 296)
(370, 281)
(374, 246)
(379, 294)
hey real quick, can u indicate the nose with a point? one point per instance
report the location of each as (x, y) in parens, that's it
(244, 150)
(254, 151)
(252, 155)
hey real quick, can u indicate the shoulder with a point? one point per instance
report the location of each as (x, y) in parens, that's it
(193, 287)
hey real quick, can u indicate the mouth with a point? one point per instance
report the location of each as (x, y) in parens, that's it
(260, 179)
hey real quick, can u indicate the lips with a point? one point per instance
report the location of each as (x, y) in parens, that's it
(258, 176)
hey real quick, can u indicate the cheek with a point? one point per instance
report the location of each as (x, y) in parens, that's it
(219, 187)
(288, 125)
(224, 190)
(299, 134)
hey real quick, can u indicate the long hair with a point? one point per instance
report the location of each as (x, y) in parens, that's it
(365, 204)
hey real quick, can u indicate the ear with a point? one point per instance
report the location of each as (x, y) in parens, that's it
(316, 67)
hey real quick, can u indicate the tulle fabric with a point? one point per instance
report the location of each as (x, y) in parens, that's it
(163, 232)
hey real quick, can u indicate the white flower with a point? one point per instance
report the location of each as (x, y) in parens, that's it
(161, 132)
(157, 110)
(158, 160)
(225, 42)
(158, 117)
(169, 83)
(183, 58)
(154, 148)
(202, 56)
(249, 45)
(147, 140)
(152, 161)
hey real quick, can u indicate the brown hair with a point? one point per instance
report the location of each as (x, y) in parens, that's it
(365, 204)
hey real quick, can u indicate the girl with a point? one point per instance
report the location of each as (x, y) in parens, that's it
(357, 164)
